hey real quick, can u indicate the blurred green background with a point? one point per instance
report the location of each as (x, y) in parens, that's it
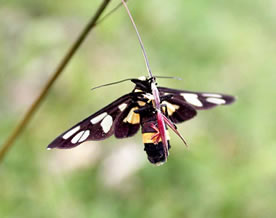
(218, 46)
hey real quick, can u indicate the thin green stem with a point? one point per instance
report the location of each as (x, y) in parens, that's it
(109, 13)
(64, 62)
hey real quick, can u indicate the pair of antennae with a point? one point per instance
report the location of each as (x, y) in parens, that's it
(141, 44)
(120, 81)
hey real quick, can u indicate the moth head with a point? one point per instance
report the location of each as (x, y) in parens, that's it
(143, 83)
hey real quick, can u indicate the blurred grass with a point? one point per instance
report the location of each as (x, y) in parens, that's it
(217, 46)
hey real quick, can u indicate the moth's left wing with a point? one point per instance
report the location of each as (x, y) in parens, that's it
(198, 100)
(98, 126)
(177, 110)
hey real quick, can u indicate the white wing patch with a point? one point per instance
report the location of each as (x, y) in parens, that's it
(122, 107)
(80, 137)
(216, 100)
(84, 136)
(71, 132)
(192, 99)
(212, 95)
(77, 137)
(107, 123)
(98, 118)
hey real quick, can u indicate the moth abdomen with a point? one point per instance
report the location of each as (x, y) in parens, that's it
(155, 152)
(152, 140)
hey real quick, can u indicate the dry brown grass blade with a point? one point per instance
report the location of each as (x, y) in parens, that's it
(31, 111)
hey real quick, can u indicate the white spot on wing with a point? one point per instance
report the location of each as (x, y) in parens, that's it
(107, 123)
(122, 106)
(216, 100)
(84, 136)
(98, 118)
(77, 137)
(211, 95)
(192, 99)
(71, 132)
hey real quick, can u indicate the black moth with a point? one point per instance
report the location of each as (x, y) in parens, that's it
(124, 116)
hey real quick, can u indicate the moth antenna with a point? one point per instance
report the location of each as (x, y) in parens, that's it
(109, 84)
(168, 77)
(139, 38)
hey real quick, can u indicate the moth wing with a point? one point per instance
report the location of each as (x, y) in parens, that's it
(178, 110)
(198, 100)
(128, 123)
(98, 126)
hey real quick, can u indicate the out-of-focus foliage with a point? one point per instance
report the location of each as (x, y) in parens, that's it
(219, 46)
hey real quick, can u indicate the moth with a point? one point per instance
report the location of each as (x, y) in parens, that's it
(124, 116)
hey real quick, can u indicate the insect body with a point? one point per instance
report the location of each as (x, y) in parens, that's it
(124, 116)
(152, 138)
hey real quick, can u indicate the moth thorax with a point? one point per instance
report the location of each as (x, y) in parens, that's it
(149, 96)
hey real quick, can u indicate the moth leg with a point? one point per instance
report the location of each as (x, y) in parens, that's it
(157, 135)
(143, 109)
(165, 97)
(164, 108)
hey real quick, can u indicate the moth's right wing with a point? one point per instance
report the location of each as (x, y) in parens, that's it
(183, 105)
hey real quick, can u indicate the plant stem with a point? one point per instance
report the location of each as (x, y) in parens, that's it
(60, 68)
